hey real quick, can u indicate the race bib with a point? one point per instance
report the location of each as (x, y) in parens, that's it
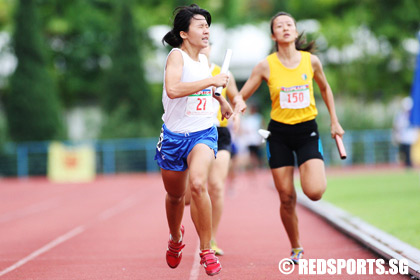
(200, 103)
(296, 97)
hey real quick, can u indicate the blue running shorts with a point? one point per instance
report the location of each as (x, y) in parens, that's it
(173, 148)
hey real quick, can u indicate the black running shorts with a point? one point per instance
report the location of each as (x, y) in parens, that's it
(224, 141)
(286, 141)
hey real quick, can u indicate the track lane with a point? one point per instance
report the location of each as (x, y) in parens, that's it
(125, 234)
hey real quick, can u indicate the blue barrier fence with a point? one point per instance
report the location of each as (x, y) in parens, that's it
(112, 156)
(137, 155)
(367, 147)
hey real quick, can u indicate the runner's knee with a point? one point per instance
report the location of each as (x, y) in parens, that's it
(216, 190)
(315, 194)
(288, 200)
(198, 186)
(175, 199)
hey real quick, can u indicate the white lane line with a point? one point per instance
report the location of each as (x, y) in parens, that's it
(105, 215)
(120, 207)
(30, 210)
(49, 246)
(195, 269)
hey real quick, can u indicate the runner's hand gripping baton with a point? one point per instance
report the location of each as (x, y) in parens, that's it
(264, 134)
(340, 147)
(225, 68)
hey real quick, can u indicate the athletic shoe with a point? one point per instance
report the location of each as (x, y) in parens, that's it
(174, 251)
(210, 262)
(217, 250)
(296, 255)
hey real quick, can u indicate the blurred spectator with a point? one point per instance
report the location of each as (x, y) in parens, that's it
(403, 133)
(250, 124)
(234, 128)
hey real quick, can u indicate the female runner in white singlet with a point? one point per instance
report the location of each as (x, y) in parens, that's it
(188, 142)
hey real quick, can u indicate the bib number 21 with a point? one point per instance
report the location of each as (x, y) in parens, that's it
(201, 106)
(200, 103)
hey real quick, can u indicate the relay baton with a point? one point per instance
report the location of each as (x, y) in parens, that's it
(225, 68)
(264, 134)
(340, 147)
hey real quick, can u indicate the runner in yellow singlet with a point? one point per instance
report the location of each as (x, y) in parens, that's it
(220, 167)
(289, 73)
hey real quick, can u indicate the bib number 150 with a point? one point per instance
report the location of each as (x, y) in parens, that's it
(295, 97)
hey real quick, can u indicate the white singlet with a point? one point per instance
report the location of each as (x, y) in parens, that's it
(189, 113)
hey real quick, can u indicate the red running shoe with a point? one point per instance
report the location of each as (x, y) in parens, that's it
(174, 251)
(210, 262)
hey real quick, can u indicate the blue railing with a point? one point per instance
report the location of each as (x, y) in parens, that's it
(112, 156)
(366, 147)
(137, 155)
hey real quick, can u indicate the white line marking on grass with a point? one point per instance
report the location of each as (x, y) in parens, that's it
(46, 248)
(195, 269)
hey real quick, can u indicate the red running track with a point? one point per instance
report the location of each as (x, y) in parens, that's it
(115, 228)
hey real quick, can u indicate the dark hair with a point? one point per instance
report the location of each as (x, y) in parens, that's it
(183, 16)
(300, 41)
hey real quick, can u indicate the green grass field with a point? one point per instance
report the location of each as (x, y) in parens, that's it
(388, 200)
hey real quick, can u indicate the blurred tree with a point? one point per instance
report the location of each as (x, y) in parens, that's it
(125, 83)
(127, 94)
(394, 21)
(32, 106)
(6, 17)
(373, 32)
(80, 39)
(163, 10)
(230, 12)
(80, 34)
(179, 3)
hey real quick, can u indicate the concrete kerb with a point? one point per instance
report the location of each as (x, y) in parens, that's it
(384, 244)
